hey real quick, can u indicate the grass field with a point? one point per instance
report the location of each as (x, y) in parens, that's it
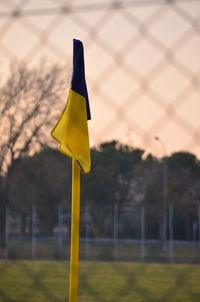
(42, 281)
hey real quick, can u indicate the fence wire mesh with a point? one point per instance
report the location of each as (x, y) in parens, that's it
(142, 62)
(119, 266)
(143, 71)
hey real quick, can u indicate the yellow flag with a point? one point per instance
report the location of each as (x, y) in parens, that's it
(71, 130)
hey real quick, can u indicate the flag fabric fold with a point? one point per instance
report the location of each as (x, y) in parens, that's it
(71, 130)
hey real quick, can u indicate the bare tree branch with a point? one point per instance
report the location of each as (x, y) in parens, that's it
(29, 103)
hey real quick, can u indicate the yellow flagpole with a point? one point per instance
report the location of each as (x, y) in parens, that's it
(75, 222)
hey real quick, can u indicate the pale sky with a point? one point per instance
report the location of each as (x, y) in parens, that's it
(142, 64)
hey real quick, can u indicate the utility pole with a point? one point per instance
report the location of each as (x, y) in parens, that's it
(165, 193)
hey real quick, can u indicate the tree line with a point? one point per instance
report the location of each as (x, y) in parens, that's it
(121, 176)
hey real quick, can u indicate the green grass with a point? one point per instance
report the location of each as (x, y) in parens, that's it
(42, 281)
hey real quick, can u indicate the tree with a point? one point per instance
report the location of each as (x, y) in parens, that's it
(42, 180)
(26, 115)
(112, 172)
(111, 178)
(149, 185)
(184, 193)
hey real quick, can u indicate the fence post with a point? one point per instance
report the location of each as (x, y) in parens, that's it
(7, 229)
(33, 232)
(60, 239)
(116, 228)
(199, 225)
(171, 234)
(87, 232)
(142, 233)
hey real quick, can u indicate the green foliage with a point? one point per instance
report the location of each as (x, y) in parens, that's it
(43, 179)
(120, 175)
(183, 159)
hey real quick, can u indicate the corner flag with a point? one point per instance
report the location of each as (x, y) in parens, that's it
(71, 130)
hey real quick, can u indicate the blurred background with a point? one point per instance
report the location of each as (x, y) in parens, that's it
(141, 203)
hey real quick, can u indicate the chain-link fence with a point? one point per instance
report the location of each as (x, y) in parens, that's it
(118, 234)
(126, 255)
(143, 69)
(142, 62)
